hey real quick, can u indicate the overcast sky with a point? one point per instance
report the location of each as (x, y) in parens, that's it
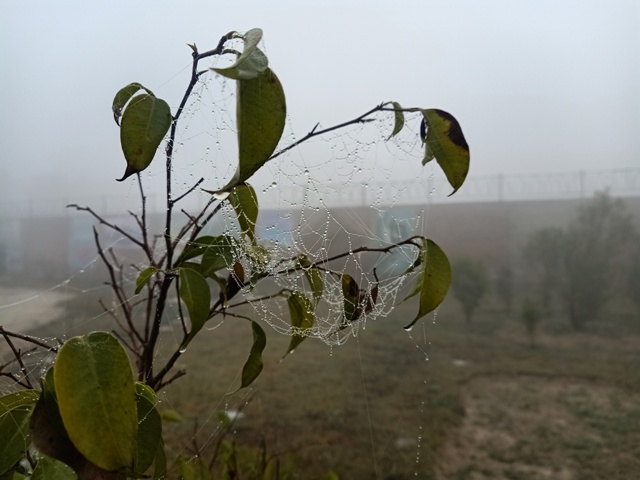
(538, 86)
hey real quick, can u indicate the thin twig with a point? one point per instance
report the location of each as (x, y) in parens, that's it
(28, 338)
(188, 191)
(315, 132)
(102, 221)
(180, 313)
(18, 357)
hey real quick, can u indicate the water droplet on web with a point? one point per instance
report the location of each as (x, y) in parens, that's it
(409, 328)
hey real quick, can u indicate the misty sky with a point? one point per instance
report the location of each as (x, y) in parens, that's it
(538, 86)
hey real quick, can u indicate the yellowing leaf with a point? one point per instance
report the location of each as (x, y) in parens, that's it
(433, 281)
(445, 141)
(145, 122)
(97, 399)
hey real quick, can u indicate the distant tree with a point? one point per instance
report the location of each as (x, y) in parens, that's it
(504, 286)
(595, 249)
(469, 285)
(531, 317)
(543, 256)
(633, 280)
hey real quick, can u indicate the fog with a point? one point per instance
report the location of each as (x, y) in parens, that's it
(537, 86)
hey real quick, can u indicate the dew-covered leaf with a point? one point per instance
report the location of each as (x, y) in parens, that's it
(399, 120)
(316, 283)
(196, 295)
(196, 248)
(350, 292)
(251, 62)
(434, 279)
(244, 201)
(261, 113)
(143, 278)
(253, 365)
(313, 277)
(219, 254)
(446, 143)
(149, 428)
(145, 122)
(97, 400)
(302, 318)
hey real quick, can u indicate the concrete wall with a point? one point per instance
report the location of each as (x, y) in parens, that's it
(56, 247)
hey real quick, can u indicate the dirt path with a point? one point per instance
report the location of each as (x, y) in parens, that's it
(25, 309)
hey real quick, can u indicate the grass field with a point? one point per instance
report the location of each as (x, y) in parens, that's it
(445, 401)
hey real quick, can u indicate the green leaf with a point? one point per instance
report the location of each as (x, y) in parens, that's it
(261, 113)
(302, 318)
(433, 281)
(445, 142)
(160, 465)
(97, 400)
(219, 254)
(149, 428)
(143, 278)
(145, 122)
(123, 96)
(170, 415)
(15, 434)
(253, 365)
(51, 469)
(316, 283)
(251, 63)
(399, 120)
(350, 292)
(196, 295)
(244, 201)
(195, 248)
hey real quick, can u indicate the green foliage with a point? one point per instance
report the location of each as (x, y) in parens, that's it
(91, 415)
(504, 286)
(433, 281)
(543, 255)
(469, 284)
(585, 263)
(254, 364)
(145, 122)
(15, 410)
(302, 318)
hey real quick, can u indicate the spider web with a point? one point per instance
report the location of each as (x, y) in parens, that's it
(331, 195)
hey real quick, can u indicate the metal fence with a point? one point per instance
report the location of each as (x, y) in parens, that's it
(492, 188)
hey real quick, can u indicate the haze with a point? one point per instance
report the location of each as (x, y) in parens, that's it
(537, 86)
